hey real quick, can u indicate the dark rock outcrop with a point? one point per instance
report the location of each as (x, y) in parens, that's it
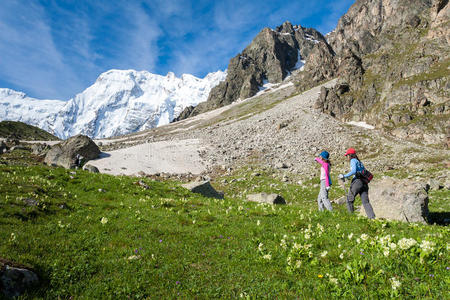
(3, 147)
(67, 153)
(204, 188)
(394, 57)
(15, 279)
(271, 56)
(320, 66)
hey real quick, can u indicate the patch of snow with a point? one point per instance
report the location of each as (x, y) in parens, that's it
(311, 38)
(300, 62)
(361, 124)
(266, 85)
(180, 156)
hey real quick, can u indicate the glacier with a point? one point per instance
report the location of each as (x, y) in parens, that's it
(119, 102)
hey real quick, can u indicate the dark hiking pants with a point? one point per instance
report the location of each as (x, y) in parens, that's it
(361, 188)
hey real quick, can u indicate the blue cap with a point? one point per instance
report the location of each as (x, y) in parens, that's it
(325, 154)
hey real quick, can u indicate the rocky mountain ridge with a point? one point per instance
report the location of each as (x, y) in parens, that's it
(270, 57)
(393, 68)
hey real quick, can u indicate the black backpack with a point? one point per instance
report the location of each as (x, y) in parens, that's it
(365, 176)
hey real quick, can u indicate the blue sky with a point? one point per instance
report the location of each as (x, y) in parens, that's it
(56, 49)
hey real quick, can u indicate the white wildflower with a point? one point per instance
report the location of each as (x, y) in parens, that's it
(258, 223)
(364, 237)
(341, 256)
(320, 227)
(289, 260)
(427, 246)
(358, 240)
(297, 246)
(338, 226)
(267, 257)
(134, 257)
(333, 280)
(339, 246)
(350, 236)
(405, 243)
(395, 283)
(260, 247)
(393, 246)
(104, 220)
(307, 246)
(324, 253)
(307, 236)
(298, 264)
(13, 237)
(386, 252)
(240, 208)
(283, 244)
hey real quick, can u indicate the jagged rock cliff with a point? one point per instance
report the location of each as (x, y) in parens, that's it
(271, 56)
(393, 68)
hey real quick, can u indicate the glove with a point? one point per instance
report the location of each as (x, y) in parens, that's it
(341, 176)
(328, 188)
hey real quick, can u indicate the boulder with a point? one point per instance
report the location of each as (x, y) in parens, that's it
(266, 198)
(3, 147)
(15, 279)
(204, 188)
(340, 201)
(434, 184)
(67, 153)
(91, 168)
(40, 149)
(399, 199)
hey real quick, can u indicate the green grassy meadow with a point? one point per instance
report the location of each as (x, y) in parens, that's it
(99, 236)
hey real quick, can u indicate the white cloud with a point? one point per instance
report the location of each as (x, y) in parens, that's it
(140, 42)
(29, 57)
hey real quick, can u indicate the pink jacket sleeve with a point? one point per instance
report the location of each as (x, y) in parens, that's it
(326, 168)
(319, 160)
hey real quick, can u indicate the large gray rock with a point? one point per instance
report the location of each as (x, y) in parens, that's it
(15, 279)
(204, 188)
(266, 198)
(396, 199)
(65, 154)
(40, 149)
(91, 168)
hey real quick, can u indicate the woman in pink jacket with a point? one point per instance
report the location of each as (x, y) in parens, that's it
(325, 181)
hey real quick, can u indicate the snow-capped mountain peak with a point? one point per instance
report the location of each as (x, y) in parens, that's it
(119, 102)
